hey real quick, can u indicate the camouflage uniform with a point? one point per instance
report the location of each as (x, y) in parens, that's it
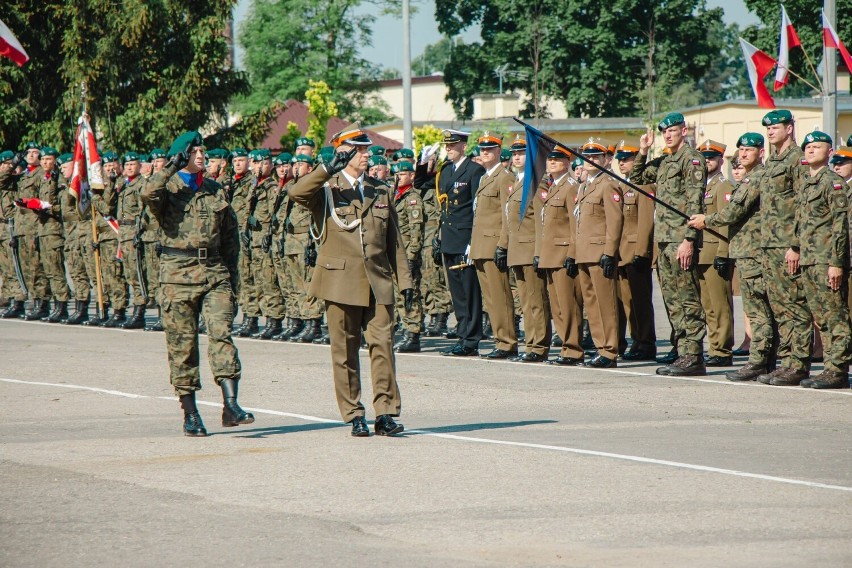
(680, 179)
(277, 258)
(26, 229)
(112, 269)
(10, 288)
(150, 242)
(409, 209)
(240, 191)
(75, 233)
(296, 222)
(197, 268)
(270, 298)
(128, 210)
(433, 285)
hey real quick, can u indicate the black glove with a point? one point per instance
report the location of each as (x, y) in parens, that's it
(280, 247)
(724, 267)
(13, 242)
(310, 255)
(137, 242)
(408, 294)
(253, 222)
(501, 259)
(641, 263)
(339, 161)
(266, 243)
(539, 271)
(436, 252)
(414, 268)
(245, 237)
(609, 265)
(19, 157)
(571, 267)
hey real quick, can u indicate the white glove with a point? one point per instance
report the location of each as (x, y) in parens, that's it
(428, 152)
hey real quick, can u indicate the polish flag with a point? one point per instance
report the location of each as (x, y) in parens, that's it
(87, 164)
(759, 66)
(789, 40)
(831, 39)
(10, 46)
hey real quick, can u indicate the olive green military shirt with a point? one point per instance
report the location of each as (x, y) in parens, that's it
(742, 216)
(779, 185)
(822, 220)
(410, 213)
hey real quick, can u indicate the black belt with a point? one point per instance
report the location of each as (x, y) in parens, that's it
(127, 223)
(199, 253)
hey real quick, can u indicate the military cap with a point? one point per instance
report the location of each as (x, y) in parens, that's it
(816, 136)
(403, 167)
(305, 142)
(129, 157)
(394, 169)
(217, 153)
(304, 158)
(505, 154)
(157, 153)
(610, 149)
(451, 136)
(62, 159)
(751, 140)
(842, 154)
(489, 140)
(519, 143)
(777, 116)
(145, 158)
(624, 151)
(325, 154)
(403, 153)
(6, 155)
(239, 153)
(32, 145)
(260, 154)
(671, 119)
(282, 159)
(559, 152)
(475, 151)
(578, 162)
(593, 148)
(109, 156)
(377, 161)
(712, 149)
(377, 150)
(187, 140)
(353, 135)
(849, 140)
(49, 151)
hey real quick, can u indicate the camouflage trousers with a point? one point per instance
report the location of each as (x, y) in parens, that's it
(756, 307)
(248, 293)
(85, 248)
(789, 306)
(10, 287)
(831, 315)
(433, 286)
(411, 319)
(152, 270)
(112, 274)
(270, 297)
(131, 274)
(52, 249)
(77, 269)
(299, 276)
(34, 276)
(279, 264)
(182, 304)
(683, 301)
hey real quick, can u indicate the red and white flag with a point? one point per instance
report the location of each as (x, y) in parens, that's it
(10, 46)
(87, 172)
(789, 40)
(831, 39)
(759, 66)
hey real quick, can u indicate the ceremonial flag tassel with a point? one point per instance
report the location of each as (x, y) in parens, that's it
(831, 39)
(759, 65)
(10, 46)
(538, 148)
(788, 40)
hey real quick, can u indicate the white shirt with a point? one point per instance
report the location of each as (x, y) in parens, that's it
(356, 183)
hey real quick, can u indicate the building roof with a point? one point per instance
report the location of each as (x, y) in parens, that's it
(297, 112)
(421, 80)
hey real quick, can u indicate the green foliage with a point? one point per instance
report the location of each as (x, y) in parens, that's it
(493, 127)
(288, 139)
(248, 132)
(321, 107)
(425, 135)
(435, 56)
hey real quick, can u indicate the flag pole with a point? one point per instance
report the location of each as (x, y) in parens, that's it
(811, 64)
(98, 281)
(803, 80)
(617, 177)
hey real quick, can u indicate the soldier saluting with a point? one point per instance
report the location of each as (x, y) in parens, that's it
(198, 270)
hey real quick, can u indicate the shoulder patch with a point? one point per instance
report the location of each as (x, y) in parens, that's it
(804, 162)
(840, 200)
(415, 213)
(837, 186)
(616, 197)
(543, 194)
(696, 162)
(699, 175)
(727, 197)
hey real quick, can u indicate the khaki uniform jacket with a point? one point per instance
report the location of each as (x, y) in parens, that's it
(637, 236)
(558, 227)
(822, 220)
(600, 219)
(520, 234)
(489, 213)
(352, 264)
(716, 198)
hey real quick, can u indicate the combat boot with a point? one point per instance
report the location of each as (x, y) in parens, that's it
(748, 372)
(40, 309)
(158, 323)
(16, 309)
(232, 414)
(789, 378)
(312, 331)
(429, 329)
(137, 320)
(59, 313)
(273, 328)
(518, 333)
(237, 329)
(99, 318)
(556, 341)
(294, 328)
(192, 424)
(828, 380)
(285, 325)
(411, 344)
(80, 313)
(325, 338)
(685, 366)
(248, 328)
(118, 318)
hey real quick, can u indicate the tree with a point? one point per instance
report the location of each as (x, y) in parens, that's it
(290, 42)
(321, 108)
(425, 135)
(435, 56)
(152, 69)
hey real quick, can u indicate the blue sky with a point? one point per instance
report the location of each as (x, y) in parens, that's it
(424, 29)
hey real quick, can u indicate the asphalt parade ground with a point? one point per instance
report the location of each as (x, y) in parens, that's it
(502, 464)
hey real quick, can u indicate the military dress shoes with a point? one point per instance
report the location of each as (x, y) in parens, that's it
(460, 350)
(193, 426)
(639, 355)
(359, 427)
(529, 357)
(747, 372)
(556, 341)
(719, 361)
(601, 362)
(566, 361)
(828, 380)
(685, 366)
(500, 354)
(385, 426)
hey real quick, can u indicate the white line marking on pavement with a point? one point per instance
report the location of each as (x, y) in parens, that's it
(623, 457)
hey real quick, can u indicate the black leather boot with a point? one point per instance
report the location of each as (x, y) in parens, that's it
(59, 313)
(273, 328)
(192, 424)
(16, 309)
(441, 328)
(118, 318)
(587, 342)
(518, 333)
(137, 320)
(487, 331)
(296, 326)
(248, 328)
(232, 414)
(158, 323)
(411, 344)
(313, 330)
(325, 338)
(403, 339)
(40, 309)
(80, 313)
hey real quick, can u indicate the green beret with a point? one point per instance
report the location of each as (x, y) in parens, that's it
(6, 155)
(48, 151)
(239, 153)
(129, 157)
(394, 169)
(505, 154)
(576, 163)
(157, 153)
(217, 153)
(305, 142)
(671, 119)
(63, 158)
(849, 140)
(777, 116)
(751, 139)
(816, 136)
(260, 154)
(475, 151)
(403, 167)
(32, 146)
(109, 156)
(326, 153)
(282, 159)
(304, 158)
(377, 150)
(403, 153)
(185, 141)
(377, 161)
(145, 158)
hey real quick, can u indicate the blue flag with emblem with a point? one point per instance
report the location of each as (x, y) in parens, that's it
(538, 147)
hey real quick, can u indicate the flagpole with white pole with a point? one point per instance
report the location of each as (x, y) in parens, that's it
(829, 99)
